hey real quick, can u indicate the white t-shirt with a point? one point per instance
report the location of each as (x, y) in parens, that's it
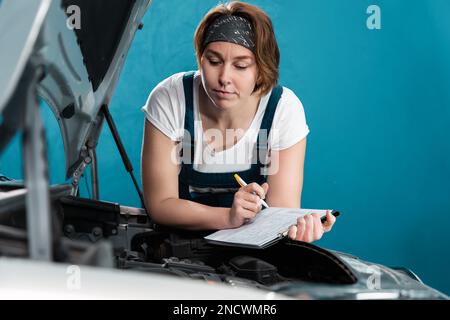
(165, 109)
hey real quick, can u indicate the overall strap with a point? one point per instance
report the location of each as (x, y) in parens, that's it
(271, 107)
(189, 133)
(266, 124)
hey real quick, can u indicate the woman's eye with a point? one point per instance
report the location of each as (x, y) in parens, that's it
(214, 62)
(217, 62)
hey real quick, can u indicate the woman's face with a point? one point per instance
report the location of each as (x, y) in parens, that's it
(229, 74)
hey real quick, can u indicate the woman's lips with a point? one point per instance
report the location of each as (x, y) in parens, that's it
(224, 94)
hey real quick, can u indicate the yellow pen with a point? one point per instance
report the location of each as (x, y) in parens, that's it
(243, 184)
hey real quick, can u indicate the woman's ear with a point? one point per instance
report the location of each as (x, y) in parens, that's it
(257, 83)
(256, 88)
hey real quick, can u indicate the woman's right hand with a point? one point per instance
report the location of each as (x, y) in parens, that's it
(246, 203)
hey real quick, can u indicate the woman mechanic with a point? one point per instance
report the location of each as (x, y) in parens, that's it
(229, 116)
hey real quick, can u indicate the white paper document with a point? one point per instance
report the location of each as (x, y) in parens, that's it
(270, 224)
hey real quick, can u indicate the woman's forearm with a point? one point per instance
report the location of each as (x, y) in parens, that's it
(190, 215)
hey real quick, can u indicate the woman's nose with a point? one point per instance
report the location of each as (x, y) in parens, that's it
(225, 76)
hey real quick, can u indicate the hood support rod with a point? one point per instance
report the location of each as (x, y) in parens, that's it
(123, 153)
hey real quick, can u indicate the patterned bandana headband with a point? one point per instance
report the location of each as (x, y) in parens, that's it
(231, 29)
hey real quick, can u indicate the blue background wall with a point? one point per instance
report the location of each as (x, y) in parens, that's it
(377, 103)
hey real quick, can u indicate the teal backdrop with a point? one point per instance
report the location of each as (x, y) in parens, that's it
(377, 103)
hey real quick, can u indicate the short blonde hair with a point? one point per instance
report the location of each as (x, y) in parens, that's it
(266, 51)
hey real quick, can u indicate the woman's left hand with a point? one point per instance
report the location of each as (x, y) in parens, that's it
(309, 228)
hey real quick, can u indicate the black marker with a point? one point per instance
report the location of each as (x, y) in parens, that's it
(334, 213)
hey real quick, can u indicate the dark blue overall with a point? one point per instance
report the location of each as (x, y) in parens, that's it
(190, 177)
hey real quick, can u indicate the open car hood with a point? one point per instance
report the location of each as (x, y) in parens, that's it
(81, 63)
